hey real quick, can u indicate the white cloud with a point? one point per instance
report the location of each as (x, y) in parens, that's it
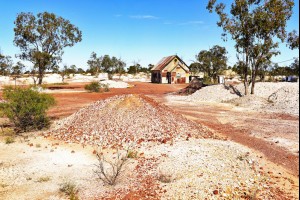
(143, 17)
(191, 22)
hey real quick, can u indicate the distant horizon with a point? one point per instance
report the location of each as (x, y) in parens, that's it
(137, 31)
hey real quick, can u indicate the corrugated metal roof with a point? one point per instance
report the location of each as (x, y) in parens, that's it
(162, 63)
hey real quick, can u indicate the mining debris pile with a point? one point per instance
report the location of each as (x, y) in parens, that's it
(123, 119)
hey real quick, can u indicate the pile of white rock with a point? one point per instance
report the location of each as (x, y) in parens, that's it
(123, 119)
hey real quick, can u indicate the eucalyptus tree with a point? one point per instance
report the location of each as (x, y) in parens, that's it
(107, 64)
(95, 63)
(119, 66)
(293, 40)
(6, 65)
(254, 25)
(195, 68)
(42, 39)
(213, 61)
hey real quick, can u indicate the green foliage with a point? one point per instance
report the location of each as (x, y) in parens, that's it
(207, 80)
(69, 189)
(213, 61)
(105, 64)
(42, 39)
(26, 108)
(60, 83)
(293, 40)
(9, 140)
(43, 179)
(105, 87)
(256, 27)
(132, 154)
(5, 65)
(93, 87)
(195, 68)
(96, 87)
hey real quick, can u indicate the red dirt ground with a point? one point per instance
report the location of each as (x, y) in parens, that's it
(238, 126)
(68, 103)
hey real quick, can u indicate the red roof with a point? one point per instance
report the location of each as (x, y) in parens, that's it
(163, 63)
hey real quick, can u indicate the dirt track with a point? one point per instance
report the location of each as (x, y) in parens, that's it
(273, 135)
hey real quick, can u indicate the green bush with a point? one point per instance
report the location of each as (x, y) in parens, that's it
(26, 108)
(9, 140)
(106, 87)
(93, 87)
(96, 87)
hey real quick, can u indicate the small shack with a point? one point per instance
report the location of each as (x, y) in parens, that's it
(171, 70)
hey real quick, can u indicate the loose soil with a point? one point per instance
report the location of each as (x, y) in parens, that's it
(270, 141)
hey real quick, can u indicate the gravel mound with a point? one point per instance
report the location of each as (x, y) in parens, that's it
(271, 97)
(198, 169)
(286, 99)
(213, 93)
(122, 119)
(250, 101)
(115, 84)
(265, 89)
(275, 97)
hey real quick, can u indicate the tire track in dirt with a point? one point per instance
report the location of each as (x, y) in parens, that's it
(273, 153)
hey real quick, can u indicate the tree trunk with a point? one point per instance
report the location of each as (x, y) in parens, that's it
(253, 83)
(40, 81)
(41, 75)
(246, 84)
(254, 72)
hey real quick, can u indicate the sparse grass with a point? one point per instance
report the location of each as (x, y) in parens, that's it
(7, 132)
(243, 157)
(60, 84)
(3, 185)
(132, 154)
(165, 177)
(9, 140)
(38, 145)
(70, 189)
(43, 179)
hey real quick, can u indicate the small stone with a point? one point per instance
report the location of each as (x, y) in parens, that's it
(216, 192)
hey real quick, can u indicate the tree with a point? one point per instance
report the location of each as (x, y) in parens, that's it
(5, 65)
(17, 71)
(213, 61)
(80, 71)
(253, 25)
(107, 64)
(134, 69)
(119, 66)
(42, 39)
(95, 63)
(18, 68)
(64, 72)
(195, 68)
(295, 67)
(293, 40)
(72, 69)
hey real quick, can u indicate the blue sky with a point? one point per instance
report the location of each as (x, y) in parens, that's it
(141, 31)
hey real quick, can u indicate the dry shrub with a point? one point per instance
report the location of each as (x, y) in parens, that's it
(109, 170)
